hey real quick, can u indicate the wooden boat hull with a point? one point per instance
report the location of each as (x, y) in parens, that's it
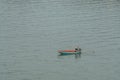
(69, 53)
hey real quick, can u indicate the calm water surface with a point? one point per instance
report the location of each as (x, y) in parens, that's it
(31, 32)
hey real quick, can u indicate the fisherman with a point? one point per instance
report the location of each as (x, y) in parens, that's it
(77, 49)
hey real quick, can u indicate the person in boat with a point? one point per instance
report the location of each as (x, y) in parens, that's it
(77, 49)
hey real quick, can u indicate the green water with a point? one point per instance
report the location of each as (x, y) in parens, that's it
(31, 32)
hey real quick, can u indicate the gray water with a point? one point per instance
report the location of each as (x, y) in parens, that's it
(31, 32)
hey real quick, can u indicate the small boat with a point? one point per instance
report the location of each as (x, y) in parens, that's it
(69, 52)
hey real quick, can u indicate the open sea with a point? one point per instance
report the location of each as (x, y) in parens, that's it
(31, 32)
